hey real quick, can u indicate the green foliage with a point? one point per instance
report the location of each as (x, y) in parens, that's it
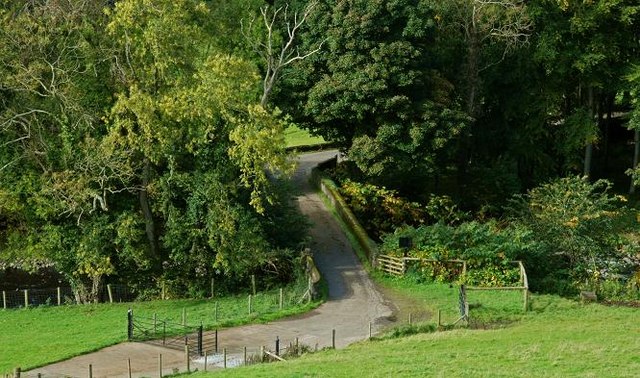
(488, 248)
(373, 89)
(580, 226)
(379, 209)
(633, 77)
(134, 148)
(575, 133)
(57, 174)
(494, 183)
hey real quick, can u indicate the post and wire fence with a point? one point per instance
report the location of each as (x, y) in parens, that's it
(62, 295)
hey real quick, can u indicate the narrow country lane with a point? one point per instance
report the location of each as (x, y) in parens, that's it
(353, 304)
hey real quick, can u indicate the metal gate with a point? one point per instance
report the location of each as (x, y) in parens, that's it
(165, 333)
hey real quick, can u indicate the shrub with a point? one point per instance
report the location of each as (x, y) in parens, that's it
(381, 210)
(580, 226)
(488, 248)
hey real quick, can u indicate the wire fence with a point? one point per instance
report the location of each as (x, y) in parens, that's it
(60, 296)
(226, 355)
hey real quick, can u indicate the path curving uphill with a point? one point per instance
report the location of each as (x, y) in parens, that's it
(353, 304)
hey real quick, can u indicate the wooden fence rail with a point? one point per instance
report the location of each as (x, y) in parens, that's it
(392, 265)
(398, 266)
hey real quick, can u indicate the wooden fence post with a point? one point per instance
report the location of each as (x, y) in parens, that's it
(4, 299)
(59, 292)
(164, 291)
(90, 371)
(281, 302)
(249, 304)
(26, 298)
(216, 341)
(160, 364)
(244, 355)
(333, 338)
(439, 317)
(253, 284)
(370, 330)
(186, 357)
(129, 366)
(212, 292)
(110, 293)
(526, 299)
(224, 357)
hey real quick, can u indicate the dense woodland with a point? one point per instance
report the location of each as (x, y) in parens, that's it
(142, 140)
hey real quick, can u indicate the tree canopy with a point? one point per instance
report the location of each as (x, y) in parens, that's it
(131, 144)
(142, 140)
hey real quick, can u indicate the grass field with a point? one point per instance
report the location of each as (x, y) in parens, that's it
(42, 335)
(557, 338)
(296, 137)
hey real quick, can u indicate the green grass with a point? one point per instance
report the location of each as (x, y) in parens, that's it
(296, 137)
(38, 336)
(557, 338)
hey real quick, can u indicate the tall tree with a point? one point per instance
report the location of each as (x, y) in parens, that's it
(373, 88)
(140, 153)
(277, 51)
(56, 172)
(584, 48)
(634, 79)
(483, 33)
(199, 137)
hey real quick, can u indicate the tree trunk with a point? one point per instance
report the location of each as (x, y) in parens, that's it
(636, 157)
(588, 150)
(466, 140)
(150, 228)
(608, 104)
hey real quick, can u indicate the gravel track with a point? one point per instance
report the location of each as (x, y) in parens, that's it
(353, 304)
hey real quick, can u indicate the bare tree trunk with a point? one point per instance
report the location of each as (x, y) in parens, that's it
(150, 228)
(277, 55)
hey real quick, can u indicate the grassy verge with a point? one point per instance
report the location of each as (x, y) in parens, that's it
(557, 338)
(42, 335)
(296, 137)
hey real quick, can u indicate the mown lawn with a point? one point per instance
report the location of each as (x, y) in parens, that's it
(296, 137)
(41, 335)
(557, 338)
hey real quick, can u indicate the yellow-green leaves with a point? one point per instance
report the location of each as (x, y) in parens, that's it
(258, 148)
